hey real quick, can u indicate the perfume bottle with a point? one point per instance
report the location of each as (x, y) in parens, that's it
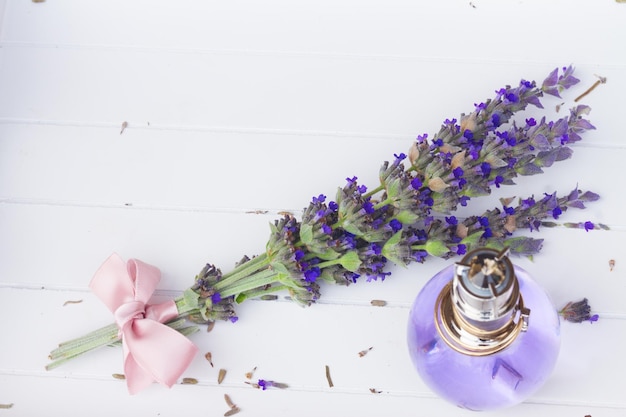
(482, 334)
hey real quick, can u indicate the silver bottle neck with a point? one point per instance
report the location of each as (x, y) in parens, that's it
(476, 311)
(485, 289)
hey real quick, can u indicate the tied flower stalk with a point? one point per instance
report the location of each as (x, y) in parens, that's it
(406, 218)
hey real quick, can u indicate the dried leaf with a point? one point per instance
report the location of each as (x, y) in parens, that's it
(229, 402)
(72, 302)
(458, 160)
(119, 376)
(6, 406)
(251, 373)
(257, 212)
(210, 326)
(437, 184)
(221, 375)
(190, 381)
(232, 411)
(510, 224)
(374, 391)
(328, 378)
(461, 230)
(124, 126)
(468, 122)
(285, 213)
(209, 358)
(364, 352)
(611, 264)
(378, 303)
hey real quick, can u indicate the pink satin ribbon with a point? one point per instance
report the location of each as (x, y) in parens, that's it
(152, 350)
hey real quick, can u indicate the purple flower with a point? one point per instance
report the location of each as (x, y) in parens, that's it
(452, 220)
(327, 229)
(216, 298)
(529, 202)
(511, 97)
(265, 384)
(495, 120)
(556, 212)
(310, 275)
(485, 168)
(319, 199)
(589, 226)
(333, 206)
(416, 183)
(461, 249)
(457, 172)
(577, 312)
(395, 225)
(468, 134)
(419, 255)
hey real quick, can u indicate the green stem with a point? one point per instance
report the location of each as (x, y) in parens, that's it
(374, 191)
(242, 271)
(383, 203)
(328, 263)
(256, 280)
(260, 293)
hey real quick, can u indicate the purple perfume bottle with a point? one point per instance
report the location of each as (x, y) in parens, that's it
(482, 334)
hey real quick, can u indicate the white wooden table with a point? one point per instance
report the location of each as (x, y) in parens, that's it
(238, 110)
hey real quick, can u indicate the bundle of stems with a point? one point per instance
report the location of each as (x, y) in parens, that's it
(405, 218)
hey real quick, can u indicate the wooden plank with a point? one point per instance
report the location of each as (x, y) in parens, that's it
(580, 374)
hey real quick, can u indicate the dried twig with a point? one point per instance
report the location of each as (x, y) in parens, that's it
(601, 80)
(328, 378)
(72, 302)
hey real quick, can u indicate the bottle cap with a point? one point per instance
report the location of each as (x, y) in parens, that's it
(485, 288)
(476, 312)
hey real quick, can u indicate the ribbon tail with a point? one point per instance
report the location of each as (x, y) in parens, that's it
(156, 353)
(136, 378)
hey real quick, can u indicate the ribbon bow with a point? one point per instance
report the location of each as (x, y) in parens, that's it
(152, 350)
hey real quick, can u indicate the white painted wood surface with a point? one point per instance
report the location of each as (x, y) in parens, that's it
(239, 106)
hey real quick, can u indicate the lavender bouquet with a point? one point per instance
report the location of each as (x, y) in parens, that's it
(405, 218)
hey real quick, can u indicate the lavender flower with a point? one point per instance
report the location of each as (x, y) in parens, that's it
(265, 384)
(577, 312)
(406, 217)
